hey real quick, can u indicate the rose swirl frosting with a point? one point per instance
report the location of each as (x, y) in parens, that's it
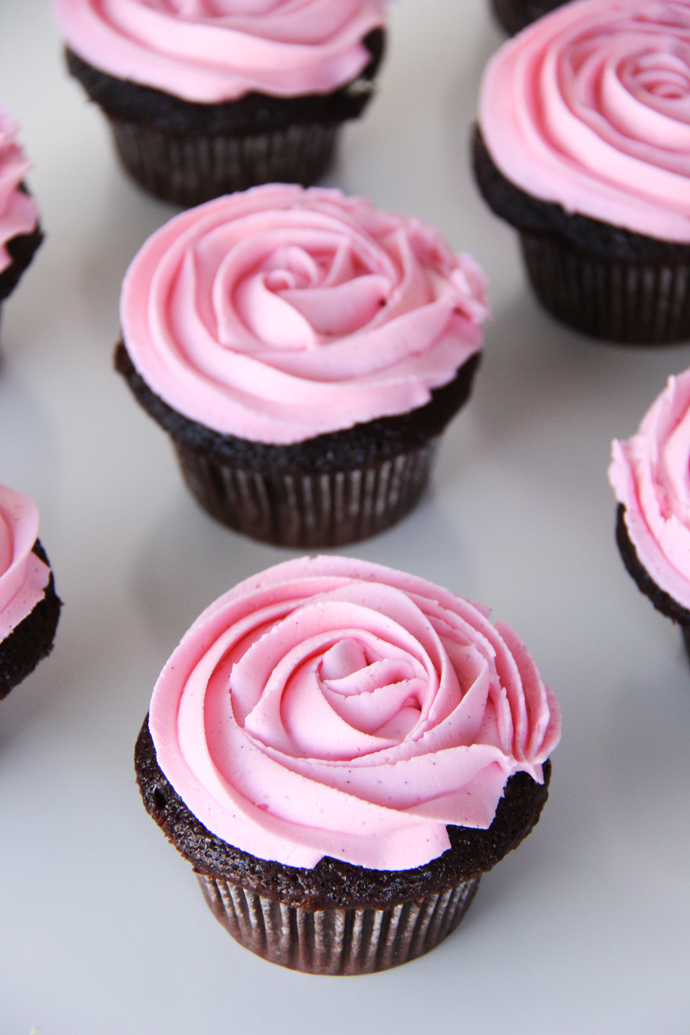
(23, 576)
(210, 51)
(279, 314)
(329, 706)
(650, 474)
(589, 107)
(18, 211)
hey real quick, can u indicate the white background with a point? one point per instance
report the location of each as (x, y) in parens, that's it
(103, 929)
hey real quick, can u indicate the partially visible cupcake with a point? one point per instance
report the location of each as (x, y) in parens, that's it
(204, 99)
(20, 234)
(304, 350)
(584, 146)
(650, 474)
(29, 606)
(341, 750)
(514, 15)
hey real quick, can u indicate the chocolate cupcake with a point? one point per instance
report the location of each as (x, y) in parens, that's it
(514, 15)
(204, 102)
(341, 750)
(304, 351)
(29, 606)
(20, 234)
(583, 146)
(650, 474)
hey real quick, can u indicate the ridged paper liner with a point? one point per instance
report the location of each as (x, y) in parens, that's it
(337, 941)
(516, 14)
(303, 509)
(190, 170)
(632, 303)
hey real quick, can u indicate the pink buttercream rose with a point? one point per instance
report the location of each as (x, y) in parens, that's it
(650, 474)
(332, 707)
(280, 313)
(18, 212)
(23, 576)
(217, 50)
(590, 107)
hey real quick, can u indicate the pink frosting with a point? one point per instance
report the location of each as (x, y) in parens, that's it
(18, 212)
(590, 107)
(280, 313)
(218, 50)
(650, 474)
(23, 577)
(328, 706)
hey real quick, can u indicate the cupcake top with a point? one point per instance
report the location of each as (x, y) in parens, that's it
(589, 107)
(217, 50)
(650, 474)
(280, 313)
(18, 211)
(23, 576)
(332, 707)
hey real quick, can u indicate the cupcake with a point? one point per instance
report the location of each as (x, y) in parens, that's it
(204, 99)
(20, 234)
(341, 750)
(516, 14)
(304, 351)
(650, 475)
(584, 146)
(29, 606)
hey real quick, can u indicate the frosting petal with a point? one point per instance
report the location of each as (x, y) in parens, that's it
(23, 576)
(650, 475)
(589, 107)
(281, 313)
(329, 706)
(18, 211)
(217, 51)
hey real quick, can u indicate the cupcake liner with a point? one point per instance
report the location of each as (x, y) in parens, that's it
(189, 170)
(304, 508)
(514, 15)
(636, 303)
(337, 941)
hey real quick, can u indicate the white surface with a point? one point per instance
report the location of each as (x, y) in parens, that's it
(103, 928)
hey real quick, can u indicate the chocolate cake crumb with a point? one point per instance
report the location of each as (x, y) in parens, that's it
(514, 15)
(363, 445)
(253, 113)
(32, 639)
(333, 884)
(21, 250)
(590, 236)
(661, 600)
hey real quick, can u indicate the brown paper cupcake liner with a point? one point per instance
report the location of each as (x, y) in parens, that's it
(337, 941)
(307, 509)
(189, 170)
(635, 303)
(514, 15)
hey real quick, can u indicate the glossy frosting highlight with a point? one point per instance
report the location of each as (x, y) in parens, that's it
(23, 576)
(650, 474)
(218, 50)
(589, 107)
(328, 706)
(18, 212)
(281, 313)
